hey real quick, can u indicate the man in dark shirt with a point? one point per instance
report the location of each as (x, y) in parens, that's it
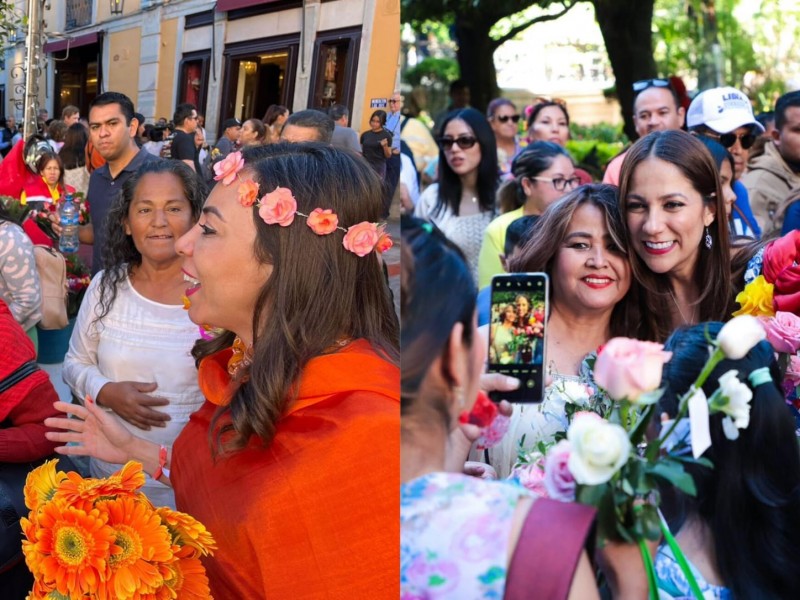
(112, 130)
(227, 143)
(183, 146)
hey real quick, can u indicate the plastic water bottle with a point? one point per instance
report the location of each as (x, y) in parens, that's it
(69, 218)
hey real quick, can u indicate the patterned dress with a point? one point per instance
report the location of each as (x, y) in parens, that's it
(454, 535)
(672, 584)
(19, 279)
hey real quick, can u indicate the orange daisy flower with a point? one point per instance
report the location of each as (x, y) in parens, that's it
(187, 531)
(185, 579)
(125, 481)
(70, 549)
(41, 484)
(142, 541)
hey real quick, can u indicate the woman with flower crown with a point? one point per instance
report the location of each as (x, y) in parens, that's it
(302, 395)
(130, 348)
(740, 534)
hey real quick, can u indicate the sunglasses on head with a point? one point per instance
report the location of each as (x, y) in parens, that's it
(643, 84)
(729, 139)
(463, 141)
(505, 118)
(548, 100)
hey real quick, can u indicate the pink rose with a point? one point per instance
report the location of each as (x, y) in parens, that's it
(322, 222)
(626, 369)
(248, 193)
(227, 168)
(783, 331)
(793, 371)
(278, 207)
(361, 238)
(531, 477)
(558, 479)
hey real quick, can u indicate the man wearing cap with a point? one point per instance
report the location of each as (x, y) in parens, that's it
(725, 115)
(771, 176)
(656, 107)
(229, 140)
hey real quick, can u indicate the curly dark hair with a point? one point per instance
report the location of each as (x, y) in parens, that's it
(121, 255)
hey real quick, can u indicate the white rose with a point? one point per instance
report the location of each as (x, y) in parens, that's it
(575, 392)
(599, 449)
(740, 335)
(736, 397)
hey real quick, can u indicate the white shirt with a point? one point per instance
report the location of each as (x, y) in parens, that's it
(138, 340)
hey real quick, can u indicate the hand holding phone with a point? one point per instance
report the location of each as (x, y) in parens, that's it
(517, 333)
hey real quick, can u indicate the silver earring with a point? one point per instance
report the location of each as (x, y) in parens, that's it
(709, 240)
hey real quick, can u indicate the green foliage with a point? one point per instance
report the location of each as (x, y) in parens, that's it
(10, 20)
(432, 71)
(600, 132)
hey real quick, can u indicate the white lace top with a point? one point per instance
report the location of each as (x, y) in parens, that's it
(465, 232)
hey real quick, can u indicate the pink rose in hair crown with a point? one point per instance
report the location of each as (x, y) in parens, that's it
(248, 193)
(361, 238)
(627, 369)
(278, 207)
(783, 331)
(322, 222)
(226, 169)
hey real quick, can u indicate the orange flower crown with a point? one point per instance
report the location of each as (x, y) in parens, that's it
(279, 207)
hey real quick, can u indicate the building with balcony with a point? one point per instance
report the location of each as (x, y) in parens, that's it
(231, 58)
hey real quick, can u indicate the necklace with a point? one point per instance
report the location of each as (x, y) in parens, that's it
(678, 306)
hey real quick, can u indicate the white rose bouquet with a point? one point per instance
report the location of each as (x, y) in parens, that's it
(606, 461)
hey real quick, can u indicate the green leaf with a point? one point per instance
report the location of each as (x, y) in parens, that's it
(649, 398)
(675, 474)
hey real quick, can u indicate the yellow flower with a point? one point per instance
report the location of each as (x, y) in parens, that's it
(756, 299)
(187, 531)
(142, 542)
(41, 484)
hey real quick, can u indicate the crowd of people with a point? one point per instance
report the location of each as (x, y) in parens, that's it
(660, 251)
(239, 339)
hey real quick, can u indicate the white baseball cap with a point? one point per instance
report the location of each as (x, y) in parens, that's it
(722, 109)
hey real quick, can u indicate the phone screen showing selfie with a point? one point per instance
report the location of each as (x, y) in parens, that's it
(517, 333)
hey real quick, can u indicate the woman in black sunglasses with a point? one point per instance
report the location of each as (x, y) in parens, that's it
(462, 203)
(504, 118)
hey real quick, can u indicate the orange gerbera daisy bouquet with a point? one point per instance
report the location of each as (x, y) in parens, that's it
(103, 539)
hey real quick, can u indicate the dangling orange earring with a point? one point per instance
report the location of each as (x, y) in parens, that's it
(241, 359)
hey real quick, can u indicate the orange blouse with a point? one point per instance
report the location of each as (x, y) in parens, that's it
(316, 513)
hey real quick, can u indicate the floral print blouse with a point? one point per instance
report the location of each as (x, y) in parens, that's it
(454, 536)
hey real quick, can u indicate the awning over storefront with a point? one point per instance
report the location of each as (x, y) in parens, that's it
(223, 5)
(81, 40)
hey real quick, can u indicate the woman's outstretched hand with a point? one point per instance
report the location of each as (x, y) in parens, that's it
(94, 432)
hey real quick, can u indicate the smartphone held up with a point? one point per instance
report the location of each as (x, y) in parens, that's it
(517, 333)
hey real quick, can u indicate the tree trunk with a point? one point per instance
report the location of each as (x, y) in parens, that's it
(476, 59)
(626, 29)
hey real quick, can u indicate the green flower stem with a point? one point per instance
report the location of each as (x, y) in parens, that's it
(650, 569)
(716, 357)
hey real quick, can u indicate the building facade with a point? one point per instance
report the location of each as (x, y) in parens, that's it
(231, 58)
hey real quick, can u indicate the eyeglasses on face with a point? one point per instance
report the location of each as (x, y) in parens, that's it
(560, 183)
(463, 141)
(395, 101)
(643, 84)
(506, 118)
(729, 139)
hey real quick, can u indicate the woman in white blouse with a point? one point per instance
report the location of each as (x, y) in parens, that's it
(130, 349)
